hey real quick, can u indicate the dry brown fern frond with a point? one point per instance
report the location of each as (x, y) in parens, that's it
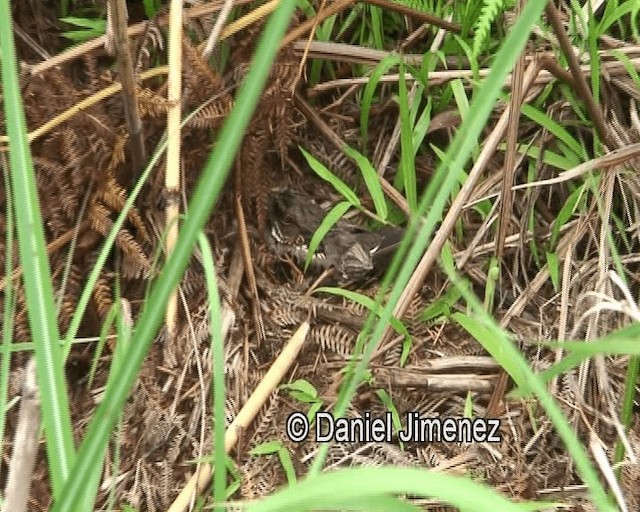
(210, 116)
(392, 356)
(69, 199)
(71, 148)
(54, 93)
(146, 491)
(112, 194)
(70, 286)
(151, 103)
(194, 331)
(201, 82)
(333, 159)
(259, 478)
(252, 176)
(102, 296)
(334, 338)
(92, 75)
(150, 44)
(115, 196)
(281, 307)
(132, 251)
(266, 421)
(277, 101)
(109, 200)
(270, 131)
(99, 218)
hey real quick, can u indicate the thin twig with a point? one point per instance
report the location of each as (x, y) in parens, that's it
(303, 28)
(118, 19)
(217, 28)
(506, 197)
(360, 55)
(419, 15)
(243, 239)
(580, 82)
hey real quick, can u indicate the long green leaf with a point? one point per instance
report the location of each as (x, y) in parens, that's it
(407, 153)
(368, 303)
(367, 97)
(493, 342)
(325, 226)
(321, 170)
(37, 275)
(8, 311)
(344, 489)
(371, 181)
(217, 350)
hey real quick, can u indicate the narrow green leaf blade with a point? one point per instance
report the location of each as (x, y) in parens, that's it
(320, 169)
(371, 181)
(334, 215)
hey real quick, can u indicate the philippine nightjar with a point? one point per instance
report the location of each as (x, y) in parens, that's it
(353, 251)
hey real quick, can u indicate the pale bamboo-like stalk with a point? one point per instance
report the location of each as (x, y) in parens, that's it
(172, 170)
(267, 385)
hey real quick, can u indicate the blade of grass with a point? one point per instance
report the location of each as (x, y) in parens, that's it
(371, 181)
(407, 153)
(557, 129)
(367, 302)
(208, 189)
(217, 350)
(8, 311)
(321, 170)
(37, 275)
(367, 97)
(342, 489)
(334, 215)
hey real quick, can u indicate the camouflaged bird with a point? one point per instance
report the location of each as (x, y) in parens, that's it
(354, 252)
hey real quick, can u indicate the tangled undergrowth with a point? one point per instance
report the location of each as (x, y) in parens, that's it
(564, 238)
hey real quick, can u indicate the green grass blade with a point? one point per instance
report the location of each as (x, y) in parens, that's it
(407, 153)
(8, 311)
(344, 489)
(492, 341)
(367, 97)
(371, 181)
(555, 128)
(36, 272)
(321, 170)
(217, 350)
(334, 215)
(368, 303)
